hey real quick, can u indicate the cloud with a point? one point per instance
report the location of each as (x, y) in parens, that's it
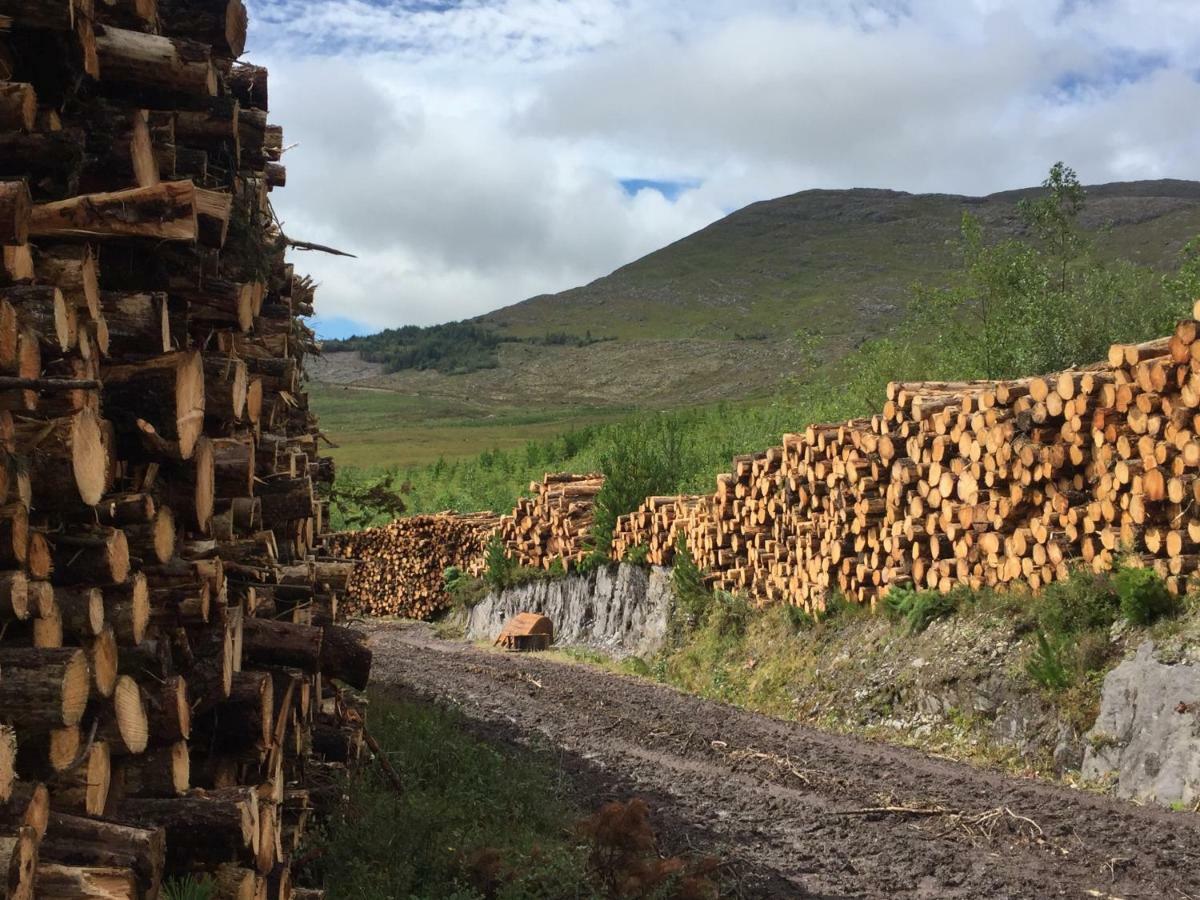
(479, 152)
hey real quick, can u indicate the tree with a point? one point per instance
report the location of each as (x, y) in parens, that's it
(1054, 217)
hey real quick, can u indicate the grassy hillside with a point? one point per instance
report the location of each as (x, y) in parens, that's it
(839, 263)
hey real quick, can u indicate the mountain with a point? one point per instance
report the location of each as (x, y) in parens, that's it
(710, 316)
(838, 262)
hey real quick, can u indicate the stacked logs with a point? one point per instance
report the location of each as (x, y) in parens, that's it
(966, 483)
(402, 566)
(166, 636)
(555, 523)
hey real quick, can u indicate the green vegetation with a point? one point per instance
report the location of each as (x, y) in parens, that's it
(474, 820)
(1054, 296)
(453, 349)
(189, 888)
(478, 821)
(456, 348)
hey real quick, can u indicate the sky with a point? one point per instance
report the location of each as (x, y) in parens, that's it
(476, 153)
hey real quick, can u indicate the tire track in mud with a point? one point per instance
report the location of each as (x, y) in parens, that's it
(799, 812)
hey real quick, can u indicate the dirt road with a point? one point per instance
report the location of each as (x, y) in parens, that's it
(797, 812)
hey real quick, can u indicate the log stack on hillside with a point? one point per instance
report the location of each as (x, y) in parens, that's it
(972, 483)
(402, 566)
(167, 652)
(555, 523)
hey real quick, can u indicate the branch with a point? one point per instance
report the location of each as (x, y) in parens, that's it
(306, 245)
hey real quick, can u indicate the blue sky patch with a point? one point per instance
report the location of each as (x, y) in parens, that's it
(333, 327)
(668, 188)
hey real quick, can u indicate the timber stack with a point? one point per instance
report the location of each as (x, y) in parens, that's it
(167, 646)
(985, 483)
(402, 565)
(555, 524)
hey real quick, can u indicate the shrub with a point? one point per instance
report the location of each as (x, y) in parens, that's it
(1084, 602)
(465, 590)
(637, 556)
(500, 569)
(1046, 666)
(189, 888)
(1143, 596)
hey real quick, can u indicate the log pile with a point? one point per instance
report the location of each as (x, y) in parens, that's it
(555, 523)
(969, 483)
(167, 645)
(402, 565)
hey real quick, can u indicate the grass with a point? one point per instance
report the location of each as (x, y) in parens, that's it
(476, 820)
(386, 429)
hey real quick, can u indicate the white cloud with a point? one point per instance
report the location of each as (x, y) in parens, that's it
(470, 152)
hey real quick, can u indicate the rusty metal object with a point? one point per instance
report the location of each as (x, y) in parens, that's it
(526, 631)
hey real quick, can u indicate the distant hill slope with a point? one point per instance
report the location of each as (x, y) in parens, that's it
(839, 262)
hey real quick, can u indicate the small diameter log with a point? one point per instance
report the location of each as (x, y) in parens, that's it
(68, 459)
(83, 788)
(99, 557)
(138, 324)
(163, 771)
(168, 711)
(44, 309)
(225, 386)
(154, 65)
(42, 689)
(270, 643)
(14, 598)
(16, 207)
(153, 541)
(219, 23)
(103, 657)
(167, 391)
(81, 610)
(125, 723)
(243, 720)
(189, 488)
(346, 656)
(74, 840)
(127, 609)
(165, 212)
(18, 106)
(19, 862)
(73, 269)
(55, 882)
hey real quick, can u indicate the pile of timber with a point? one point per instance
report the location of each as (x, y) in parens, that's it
(969, 483)
(401, 566)
(167, 646)
(657, 526)
(555, 523)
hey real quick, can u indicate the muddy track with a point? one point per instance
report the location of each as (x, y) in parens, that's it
(798, 812)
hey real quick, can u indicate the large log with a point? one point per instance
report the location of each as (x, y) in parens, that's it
(164, 211)
(42, 689)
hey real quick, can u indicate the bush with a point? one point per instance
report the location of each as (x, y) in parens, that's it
(1084, 602)
(1047, 665)
(1143, 596)
(465, 590)
(920, 609)
(637, 556)
(500, 570)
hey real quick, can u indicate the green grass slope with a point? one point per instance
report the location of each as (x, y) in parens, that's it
(839, 263)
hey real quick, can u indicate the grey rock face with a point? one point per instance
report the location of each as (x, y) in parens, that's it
(1147, 735)
(621, 610)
